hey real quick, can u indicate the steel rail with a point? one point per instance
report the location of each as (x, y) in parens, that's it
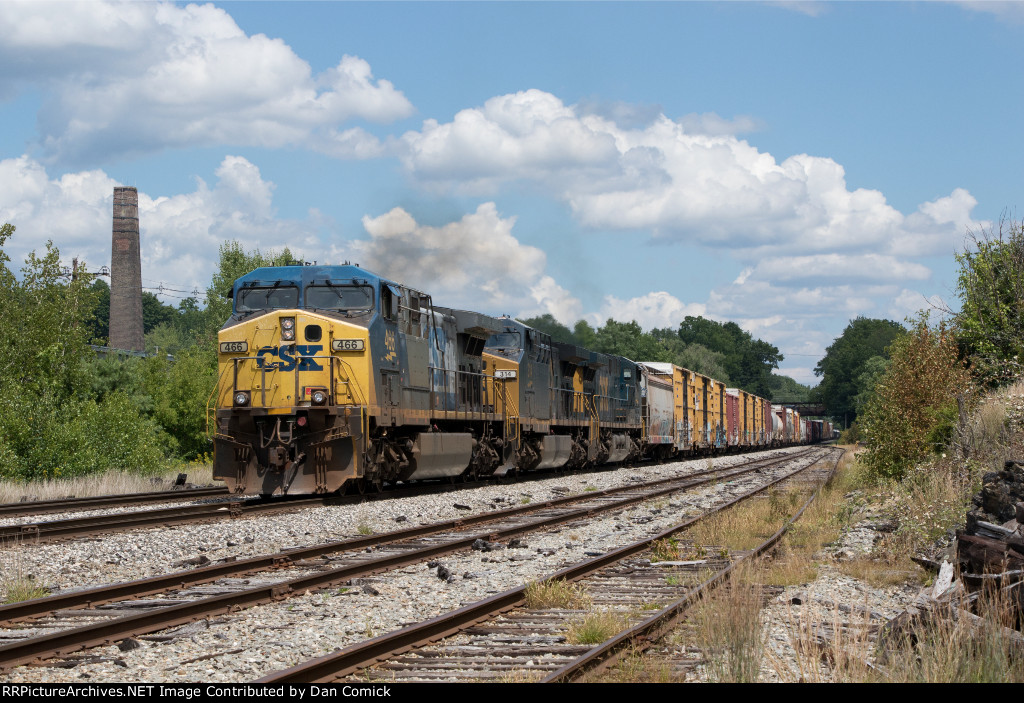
(53, 530)
(24, 610)
(57, 530)
(656, 626)
(361, 655)
(66, 641)
(42, 507)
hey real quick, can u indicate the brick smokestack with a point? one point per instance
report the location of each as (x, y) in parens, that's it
(126, 273)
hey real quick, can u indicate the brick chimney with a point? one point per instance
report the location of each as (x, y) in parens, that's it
(126, 273)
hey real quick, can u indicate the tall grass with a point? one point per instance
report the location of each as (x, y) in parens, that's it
(556, 594)
(109, 483)
(729, 629)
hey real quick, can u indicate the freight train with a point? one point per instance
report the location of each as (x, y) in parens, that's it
(332, 378)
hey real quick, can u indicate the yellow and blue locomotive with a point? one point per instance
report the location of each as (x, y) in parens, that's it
(332, 377)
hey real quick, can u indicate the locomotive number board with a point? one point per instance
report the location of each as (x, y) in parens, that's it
(348, 345)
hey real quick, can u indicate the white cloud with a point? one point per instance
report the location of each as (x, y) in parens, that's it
(180, 234)
(125, 78)
(655, 309)
(691, 179)
(475, 263)
(834, 268)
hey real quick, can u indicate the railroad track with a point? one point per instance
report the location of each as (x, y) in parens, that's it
(498, 639)
(73, 528)
(45, 532)
(68, 505)
(101, 610)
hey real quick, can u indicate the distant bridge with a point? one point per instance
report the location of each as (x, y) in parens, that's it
(807, 409)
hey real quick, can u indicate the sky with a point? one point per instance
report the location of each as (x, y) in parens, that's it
(786, 166)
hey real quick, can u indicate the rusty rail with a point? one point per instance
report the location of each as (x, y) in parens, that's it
(359, 656)
(43, 647)
(641, 635)
(42, 507)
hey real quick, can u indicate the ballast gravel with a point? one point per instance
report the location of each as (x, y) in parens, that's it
(255, 642)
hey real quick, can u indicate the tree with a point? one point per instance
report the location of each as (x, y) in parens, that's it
(53, 421)
(549, 325)
(914, 407)
(629, 340)
(787, 390)
(844, 361)
(873, 371)
(991, 290)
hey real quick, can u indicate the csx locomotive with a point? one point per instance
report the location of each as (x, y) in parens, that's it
(331, 378)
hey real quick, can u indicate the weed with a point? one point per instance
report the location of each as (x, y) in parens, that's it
(519, 675)
(556, 594)
(22, 589)
(595, 628)
(665, 550)
(729, 629)
(364, 529)
(589, 489)
(525, 500)
(108, 483)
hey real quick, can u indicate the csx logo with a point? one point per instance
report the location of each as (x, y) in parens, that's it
(291, 356)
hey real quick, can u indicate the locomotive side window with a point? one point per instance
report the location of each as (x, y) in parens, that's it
(336, 297)
(389, 297)
(267, 298)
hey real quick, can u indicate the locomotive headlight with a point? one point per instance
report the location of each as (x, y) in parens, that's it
(288, 328)
(242, 398)
(319, 397)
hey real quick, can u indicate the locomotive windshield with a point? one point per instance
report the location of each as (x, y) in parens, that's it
(267, 298)
(333, 297)
(505, 340)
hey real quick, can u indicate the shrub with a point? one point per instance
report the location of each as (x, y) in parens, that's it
(910, 408)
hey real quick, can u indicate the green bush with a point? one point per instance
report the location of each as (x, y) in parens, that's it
(910, 410)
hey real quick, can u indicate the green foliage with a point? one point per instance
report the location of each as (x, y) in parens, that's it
(547, 324)
(628, 339)
(99, 326)
(845, 360)
(851, 435)
(991, 290)
(180, 390)
(910, 409)
(873, 371)
(58, 417)
(787, 390)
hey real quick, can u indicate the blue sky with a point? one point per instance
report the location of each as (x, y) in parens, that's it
(787, 166)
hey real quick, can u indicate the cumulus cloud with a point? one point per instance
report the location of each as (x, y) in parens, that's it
(124, 78)
(656, 309)
(180, 234)
(691, 179)
(475, 262)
